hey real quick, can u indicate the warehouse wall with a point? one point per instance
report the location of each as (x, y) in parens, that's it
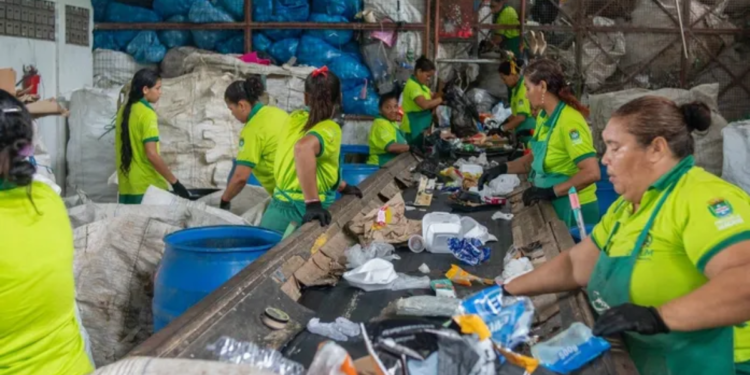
(63, 68)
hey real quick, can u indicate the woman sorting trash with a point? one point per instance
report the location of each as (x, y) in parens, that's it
(509, 39)
(562, 151)
(39, 333)
(386, 139)
(418, 104)
(139, 164)
(258, 140)
(307, 161)
(521, 122)
(668, 264)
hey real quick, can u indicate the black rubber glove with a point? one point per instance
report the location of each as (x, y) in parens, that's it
(629, 317)
(179, 189)
(525, 133)
(224, 205)
(416, 152)
(492, 174)
(535, 194)
(351, 190)
(315, 211)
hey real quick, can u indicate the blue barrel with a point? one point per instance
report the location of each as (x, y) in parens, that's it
(576, 234)
(605, 191)
(198, 260)
(354, 174)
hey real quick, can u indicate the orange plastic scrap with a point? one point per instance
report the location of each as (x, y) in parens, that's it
(332, 359)
(527, 363)
(471, 324)
(461, 277)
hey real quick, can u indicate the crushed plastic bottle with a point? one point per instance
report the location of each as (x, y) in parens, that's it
(230, 350)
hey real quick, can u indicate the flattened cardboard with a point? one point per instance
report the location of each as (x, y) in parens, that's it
(8, 80)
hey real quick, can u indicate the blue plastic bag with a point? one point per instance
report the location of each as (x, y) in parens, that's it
(175, 38)
(469, 250)
(284, 50)
(334, 37)
(353, 104)
(235, 44)
(346, 8)
(316, 52)
(171, 8)
(100, 9)
(146, 48)
(262, 10)
(261, 43)
(203, 12)
(570, 349)
(353, 49)
(348, 68)
(105, 39)
(281, 11)
(234, 7)
(508, 318)
(117, 12)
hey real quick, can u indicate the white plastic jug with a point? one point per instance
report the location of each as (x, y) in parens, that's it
(437, 228)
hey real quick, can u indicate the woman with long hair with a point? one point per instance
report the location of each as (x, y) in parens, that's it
(139, 164)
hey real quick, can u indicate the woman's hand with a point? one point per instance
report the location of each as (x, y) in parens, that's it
(492, 174)
(315, 211)
(630, 318)
(535, 194)
(351, 190)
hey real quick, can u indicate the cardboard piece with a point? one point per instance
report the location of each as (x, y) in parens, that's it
(8, 80)
(47, 107)
(396, 231)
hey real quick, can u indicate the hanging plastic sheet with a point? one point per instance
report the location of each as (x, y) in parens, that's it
(175, 38)
(146, 48)
(334, 37)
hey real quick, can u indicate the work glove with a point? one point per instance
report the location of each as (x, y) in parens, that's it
(351, 190)
(492, 174)
(315, 211)
(629, 317)
(224, 205)
(416, 152)
(535, 194)
(180, 190)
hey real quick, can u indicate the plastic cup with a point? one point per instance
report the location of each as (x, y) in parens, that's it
(416, 243)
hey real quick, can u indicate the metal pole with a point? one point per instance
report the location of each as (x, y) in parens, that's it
(686, 5)
(523, 26)
(436, 43)
(426, 42)
(579, 30)
(248, 28)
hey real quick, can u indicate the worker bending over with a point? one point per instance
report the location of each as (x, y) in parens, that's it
(418, 104)
(521, 122)
(307, 161)
(386, 139)
(563, 154)
(506, 39)
(39, 333)
(137, 158)
(668, 264)
(259, 138)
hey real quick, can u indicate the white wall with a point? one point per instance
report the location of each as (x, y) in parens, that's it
(63, 68)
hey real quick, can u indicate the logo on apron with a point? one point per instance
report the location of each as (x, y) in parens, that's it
(723, 212)
(597, 302)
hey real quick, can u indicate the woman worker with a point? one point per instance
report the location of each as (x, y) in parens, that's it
(521, 122)
(307, 160)
(137, 157)
(386, 139)
(39, 333)
(259, 138)
(668, 264)
(507, 39)
(417, 103)
(563, 154)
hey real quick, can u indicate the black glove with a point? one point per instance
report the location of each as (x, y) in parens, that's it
(535, 194)
(351, 190)
(416, 152)
(180, 190)
(629, 317)
(315, 211)
(224, 205)
(492, 174)
(525, 133)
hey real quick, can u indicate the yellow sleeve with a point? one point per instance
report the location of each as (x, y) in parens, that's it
(382, 135)
(251, 149)
(716, 216)
(576, 136)
(151, 127)
(603, 230)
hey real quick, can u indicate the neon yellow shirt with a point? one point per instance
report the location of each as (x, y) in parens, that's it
(508, 16)
(519, 103)
(143, 127)
(412, 90)
(383, 133)
(38, 329)
(327, 170)
(259, 140)
(703, 216)
(571, 142)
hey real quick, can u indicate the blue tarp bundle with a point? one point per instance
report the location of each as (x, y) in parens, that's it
(284, 50)
(353, 104)
(171, 8)
(334, 37)
(175, 38)
(146, 48)
(345, 8)
(261, 43)
(350, 70)
(203, 12)
(235, 44)
(316, 52)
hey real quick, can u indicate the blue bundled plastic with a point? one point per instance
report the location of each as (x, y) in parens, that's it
(346, 8)
(100, 9)
(284, 50)
(146, 48)
(261, 43)
(334, 37)
(469, 250)
(235, 44)
(203, 12)
(105, 40)
(570, 349)
(262, 10)
(175, 38)
(316, 52)
(353, 103)
(349, 69)
(170, 8)
(234, 7)
(117, 12)
(353, 49)
(508, 318)
(281, 11)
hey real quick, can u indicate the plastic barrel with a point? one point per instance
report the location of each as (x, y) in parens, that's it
(354, 174)
(198, 260)
(605, 191)
(576, 234)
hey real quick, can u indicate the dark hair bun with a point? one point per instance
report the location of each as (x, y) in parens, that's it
(697, 116)
(254, 86)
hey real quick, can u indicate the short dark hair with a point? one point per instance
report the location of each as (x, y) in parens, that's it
(393, 95)
(16, 137)
(424, 64)
(506, 67)
(250, 90)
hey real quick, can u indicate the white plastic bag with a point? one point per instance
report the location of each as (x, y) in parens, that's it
(502, 185)
(500, 113)
(376, 274)
(470, 228)
(357, 256)
(515, 268)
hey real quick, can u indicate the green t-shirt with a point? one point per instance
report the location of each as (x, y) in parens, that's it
(383, 133)
(508, 16)
(570, 143)
(39, 333)
(259, 140)
(701, 217)
(327, 163)
(519, 102)
(412, 90)
(143, 127)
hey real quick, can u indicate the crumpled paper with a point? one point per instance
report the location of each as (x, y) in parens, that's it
(397, 231)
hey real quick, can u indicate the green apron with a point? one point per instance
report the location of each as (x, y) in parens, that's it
(709, 351)
(542, 179)
(418, 123)
(280, 214)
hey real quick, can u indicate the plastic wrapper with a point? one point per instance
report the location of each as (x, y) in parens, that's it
(357, 255)
(175, 38)
(340, 330)
(405, 282)
(570, 350)
(346, 8)
(482, 99)
(428, 306)
(241, 352)
(171, 8)
(332, 36)
(283, 50)
(458, 276)
(332, 359)
(444, 116)
(146, 48)
(233, 45)
(502, 185)
(509, 318)
(469, 250)
(315, 51)
(515, 268)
